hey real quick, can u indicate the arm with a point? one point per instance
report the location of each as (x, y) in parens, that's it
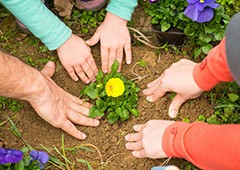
(52, 103)
(113, 34)
(213, 69)
(206, 146)
(185, 75)
(73, 52)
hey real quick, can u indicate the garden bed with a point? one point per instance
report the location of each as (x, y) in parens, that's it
(107, 139)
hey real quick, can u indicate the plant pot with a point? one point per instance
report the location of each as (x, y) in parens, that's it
(172, 36)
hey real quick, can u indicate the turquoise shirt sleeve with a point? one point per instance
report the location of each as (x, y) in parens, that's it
(122, 8)
(40, 21)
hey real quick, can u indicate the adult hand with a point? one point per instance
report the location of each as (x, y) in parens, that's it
(77, 59)
(178, 78)
(147, 142)
(114, 38)
(58, 107)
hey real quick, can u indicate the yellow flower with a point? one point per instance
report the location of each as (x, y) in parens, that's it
(114, 87)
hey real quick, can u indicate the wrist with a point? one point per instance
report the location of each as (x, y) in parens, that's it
(114, 19)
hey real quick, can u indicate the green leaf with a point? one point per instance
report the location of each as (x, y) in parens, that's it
(99, 76)
(206, 48)
(165, 26)
(112, 117)
(197, 52)
(135, 112)
(94, 112)
(233, 97)
(92, 91)
(142, 63)
(85, 162)
(19, 165)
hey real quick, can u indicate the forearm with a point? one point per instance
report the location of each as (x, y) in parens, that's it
(213, 69)
(40, 21)
(17, 79)
(206, 146)
(122, 9)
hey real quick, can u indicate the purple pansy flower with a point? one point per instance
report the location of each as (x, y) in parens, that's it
(200, 10)
(40, 156)
(153, 1)
(10, 156)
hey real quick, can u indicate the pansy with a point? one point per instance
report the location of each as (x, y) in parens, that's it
(200, 10)
(114, 87)
(10, 156)
(40, 156)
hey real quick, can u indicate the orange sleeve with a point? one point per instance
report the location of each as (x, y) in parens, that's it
(213, 69)
(206, 146)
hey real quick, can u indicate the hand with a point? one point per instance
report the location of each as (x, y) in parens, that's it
(115, 38)
(178, 78)
(77, 59)
(60, 108)
(147, 142)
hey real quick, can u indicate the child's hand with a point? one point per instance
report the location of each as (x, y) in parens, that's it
(178, 78)
(77, 59)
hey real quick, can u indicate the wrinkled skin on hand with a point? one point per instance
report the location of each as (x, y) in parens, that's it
(114, 40)
(77, 59)
(147, 141)
(59, 108)
(177, 78)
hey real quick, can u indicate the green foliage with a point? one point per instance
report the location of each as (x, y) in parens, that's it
(203, 36)
(7, 103)
(115, 107)
(227, 105)
(87, 19)
(231, 6)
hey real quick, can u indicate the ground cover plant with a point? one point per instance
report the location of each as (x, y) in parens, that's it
(104, 148)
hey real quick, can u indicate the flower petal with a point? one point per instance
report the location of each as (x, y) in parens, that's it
(192, 12)
(192, 1)
(43, 157)
(206, 15)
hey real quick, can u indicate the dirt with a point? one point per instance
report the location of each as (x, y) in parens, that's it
(109, 139)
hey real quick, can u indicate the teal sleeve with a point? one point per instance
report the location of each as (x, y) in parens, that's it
(122, 8)
(40, 21)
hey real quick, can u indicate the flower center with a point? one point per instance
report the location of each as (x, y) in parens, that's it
(201, 1)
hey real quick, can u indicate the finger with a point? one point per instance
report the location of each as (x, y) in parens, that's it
(136, 146)
(128, 52)
(81, 74)
(112, 57)
(69, 128)
(82, 102)
(119, 58)
(153, 83)
(72, 73)
(104, 59)
(93, 65)
(139, 127)
(159, 92)
(139, 154)
(88, 71)
(175, 105)
(80, 109)
(78, 118)
(49, 69)
(133, 137)
(94, 39)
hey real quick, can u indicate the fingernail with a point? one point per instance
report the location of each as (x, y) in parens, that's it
(76, 79)
(105, 71)
(84, 136)
(135, 127)
(88, 81)
(50, 64)
(134, 153)
(126, 137)
(144, 91)
(96, 122)
(149, 98)
(173, 113)
(127, 145)
(128, 62)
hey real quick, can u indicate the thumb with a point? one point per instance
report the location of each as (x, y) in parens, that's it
(94, 39)
(175, 105)
(49, 69)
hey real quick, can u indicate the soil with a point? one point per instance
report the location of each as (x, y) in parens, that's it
(109, 139)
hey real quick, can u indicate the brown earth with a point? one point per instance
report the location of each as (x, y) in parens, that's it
(109, 139)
